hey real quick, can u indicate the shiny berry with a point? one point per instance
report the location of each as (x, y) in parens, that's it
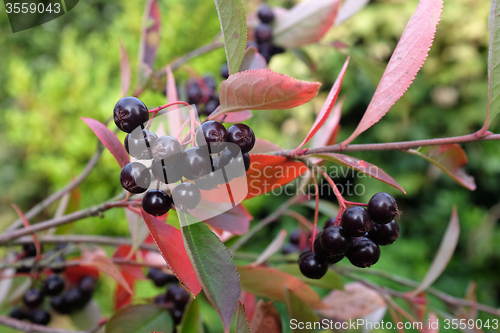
(234, 164)
(289, 248)
(53, 285)
(39, 316)
(178, 295)
(87, 285)
(168, 149)
(196, 162)
(363, 252)
(384, 234)
(130, 113)
(176, 315)
(135, 177)
(186, 196)
(74, 299)
(224, 71)
(329, 223)
(193, 91)
(213, 134)
(17, 313)
(241, 135)
(33, 298)
(312, 267)
(160, 278)
(58, 303)
(58, 265)
(156, 202)
(263, 32)
(29, 250)
(323, 254)
(382, 208)
(213, 179)
(336, 241)
(167, 174)
(139, 145)
(356, 221)
(265, 14)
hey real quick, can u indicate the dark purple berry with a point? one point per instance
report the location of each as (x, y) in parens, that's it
(160, 278)
(87, 285)
(176, 315)
(224, 71)
(323, 254)
(234, 164)
(213, 179)
(305, 252)
(253, 44)
(241, 135)
(363, 253)
(384, 234)
(140, 147)
(178, 295)
(39, 316)
(336, 241)
(265, 14)
(59, 305)
(161, 300)
(329, 223)
(74, 299)
(167, 174)
(382, 208)
(196, 162)
(130, 113)
(29, 250)
(193, 91)
(17, 313)
(58, 265)
(211, 106)
(356, 221)
(212, 134)
(289, 248)
(33, 298)
(312, 267)
(186, 196)
(53, 285)
(263, 33)
(156, 202)
(135, 177)
(210, 83)
(295, 236)
(168, 149)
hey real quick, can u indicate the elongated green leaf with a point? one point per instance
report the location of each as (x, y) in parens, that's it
(241, 320)
(234, 31)
(215, 269)
(191, 321)
(300, 311)
(331, 280)
(141, 319)
(493, 63)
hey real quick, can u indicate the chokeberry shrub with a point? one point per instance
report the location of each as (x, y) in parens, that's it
(190, 167)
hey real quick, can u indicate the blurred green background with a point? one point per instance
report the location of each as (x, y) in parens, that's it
(52, 75)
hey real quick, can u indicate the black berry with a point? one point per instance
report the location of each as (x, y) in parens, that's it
(139, 145)
(161, 300)
(160, 278)
(295, 236)
(176, 315)
(194, 93)
(135, 177)
(53, 285)
(178, 295)
(186, 196)
(58, 265)
(39, 316)
(329, 223)
(289, 248)
(224, 71)
(265, 14)
(356, 221)
(241, 135)
(213, 134)
(17, 313)
(263, 32)
(382, 208)
(59, 305)
(312, 266)
(29, 250)
(210, 83)
(336, 241)
(168, 149)
(384, 234)
(156, 202)
(196, 162)
(234, 164)
(87, 285)
(130, 113)
(167, 174)
(33, 298)
(74, 299)
(213, 179)
(323, 254)
(363, 252)
(211, 105)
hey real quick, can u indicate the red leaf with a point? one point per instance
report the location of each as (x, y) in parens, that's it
(109, 140)
(170, 242)
(75, 273)
(362, 166)
(150, 36)
(236, 220)
(263, 146)
(27, 225)
(249, 301)
(235, 117)
(451, 159)
(130, 273)
(252, 60)
(125, 74)
(174, 117)
(327, 135)
(327, 107)
(268, 172)
(262, 89)
(409, 56)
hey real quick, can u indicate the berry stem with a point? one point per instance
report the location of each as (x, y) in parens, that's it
(350, 203)
(316, 212)
(156, 110)
(338, 195)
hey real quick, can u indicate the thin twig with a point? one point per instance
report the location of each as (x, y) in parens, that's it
(32, 328)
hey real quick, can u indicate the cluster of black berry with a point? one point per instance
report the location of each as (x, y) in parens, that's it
(202, 93)
(299, 240)
(175, 298)
(207, 165)
(264, 34)
(74, 298)
(358, 237)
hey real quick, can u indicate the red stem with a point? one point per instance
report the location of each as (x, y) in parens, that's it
(340, 198)
(316, 212)
(350, 203)
(167, 105)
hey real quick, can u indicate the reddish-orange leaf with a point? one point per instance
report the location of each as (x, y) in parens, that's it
(171, 245)
(266, 319)
(268, 172)
(75, 273)
(252, 60)
(263, 146)
(248, 300)
(327, 135)
(129, 272)
(235, 220)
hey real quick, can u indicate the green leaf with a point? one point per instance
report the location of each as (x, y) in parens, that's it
(191, 321)
(215, 269)
(234, 31)
(493, 63)
(300, 311)
(331, 280)
(140, 319)
(241, 320)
